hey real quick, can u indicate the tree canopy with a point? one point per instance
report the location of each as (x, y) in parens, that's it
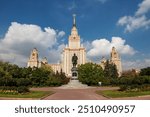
(110, 70)
(19, 79)
(145, 71)
(90, 73)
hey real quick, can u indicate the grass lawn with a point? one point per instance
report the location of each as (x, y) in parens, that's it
(31, 94)
(117, 94)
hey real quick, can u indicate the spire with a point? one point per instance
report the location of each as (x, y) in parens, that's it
(114, 53)
(113, 48)
(74, 20)
(74, 31)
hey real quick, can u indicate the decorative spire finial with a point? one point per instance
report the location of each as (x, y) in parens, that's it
(74, 19)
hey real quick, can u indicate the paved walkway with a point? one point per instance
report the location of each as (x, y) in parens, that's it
(74, 94)
(84, 94)
(78, 94)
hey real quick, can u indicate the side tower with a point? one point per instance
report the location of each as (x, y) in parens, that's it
(33, 59)
(116, 60)
(103, 63)
(44, 60)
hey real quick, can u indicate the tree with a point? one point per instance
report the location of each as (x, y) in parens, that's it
(145, 71)
(114, 71)
(23, 82)
(13, 76)
(47, 68)
(39, 76)
(2, 72)
(110, 70)
(90, 73)
(129, 73)
(54, 81)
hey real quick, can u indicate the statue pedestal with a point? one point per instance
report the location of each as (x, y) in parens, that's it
(74, 84)
(74, 73)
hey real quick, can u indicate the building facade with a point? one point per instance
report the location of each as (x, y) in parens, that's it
(73, 47)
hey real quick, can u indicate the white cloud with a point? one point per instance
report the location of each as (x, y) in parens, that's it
(135, 64)
(61, 34)
(139, 20)
(87, 45)
(55, 54)
(102, 47)
(144, 7)
(133, 23)
(124, 20)
(20, 39)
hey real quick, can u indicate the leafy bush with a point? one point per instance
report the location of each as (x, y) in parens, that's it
(145, 71)
(8, 89)
(22, 89)
(134, 87)
(125, 81)
(123, 88)
(53, 81)
(130, 73)
(23, 82)
(90, 74)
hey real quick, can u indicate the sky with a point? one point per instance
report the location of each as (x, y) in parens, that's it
(101, 24)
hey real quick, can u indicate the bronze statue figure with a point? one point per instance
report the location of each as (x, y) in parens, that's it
(74, 60)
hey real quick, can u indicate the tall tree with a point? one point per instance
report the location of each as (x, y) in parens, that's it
(110, 70)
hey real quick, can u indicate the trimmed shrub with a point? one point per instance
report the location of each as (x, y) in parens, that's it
(22, 89)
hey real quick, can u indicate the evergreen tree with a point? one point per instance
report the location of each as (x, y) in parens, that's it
(110, 70)
(114, 71)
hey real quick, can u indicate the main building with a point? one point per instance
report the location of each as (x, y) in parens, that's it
(74, 47)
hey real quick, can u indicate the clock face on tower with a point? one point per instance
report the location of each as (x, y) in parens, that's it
(33, 56)
(115, 55)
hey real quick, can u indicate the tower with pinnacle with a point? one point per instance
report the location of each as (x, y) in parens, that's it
(115, 59)
(73, 47)
(33, 59)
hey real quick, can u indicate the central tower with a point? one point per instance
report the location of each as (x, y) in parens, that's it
(73, 47)
(74, 38)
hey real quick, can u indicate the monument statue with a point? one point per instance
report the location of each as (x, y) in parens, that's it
(74, 60)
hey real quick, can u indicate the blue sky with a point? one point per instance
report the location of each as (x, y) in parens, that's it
(98, 21)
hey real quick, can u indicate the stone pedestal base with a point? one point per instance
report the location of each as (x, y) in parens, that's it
(74, 73)
(74, 84)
